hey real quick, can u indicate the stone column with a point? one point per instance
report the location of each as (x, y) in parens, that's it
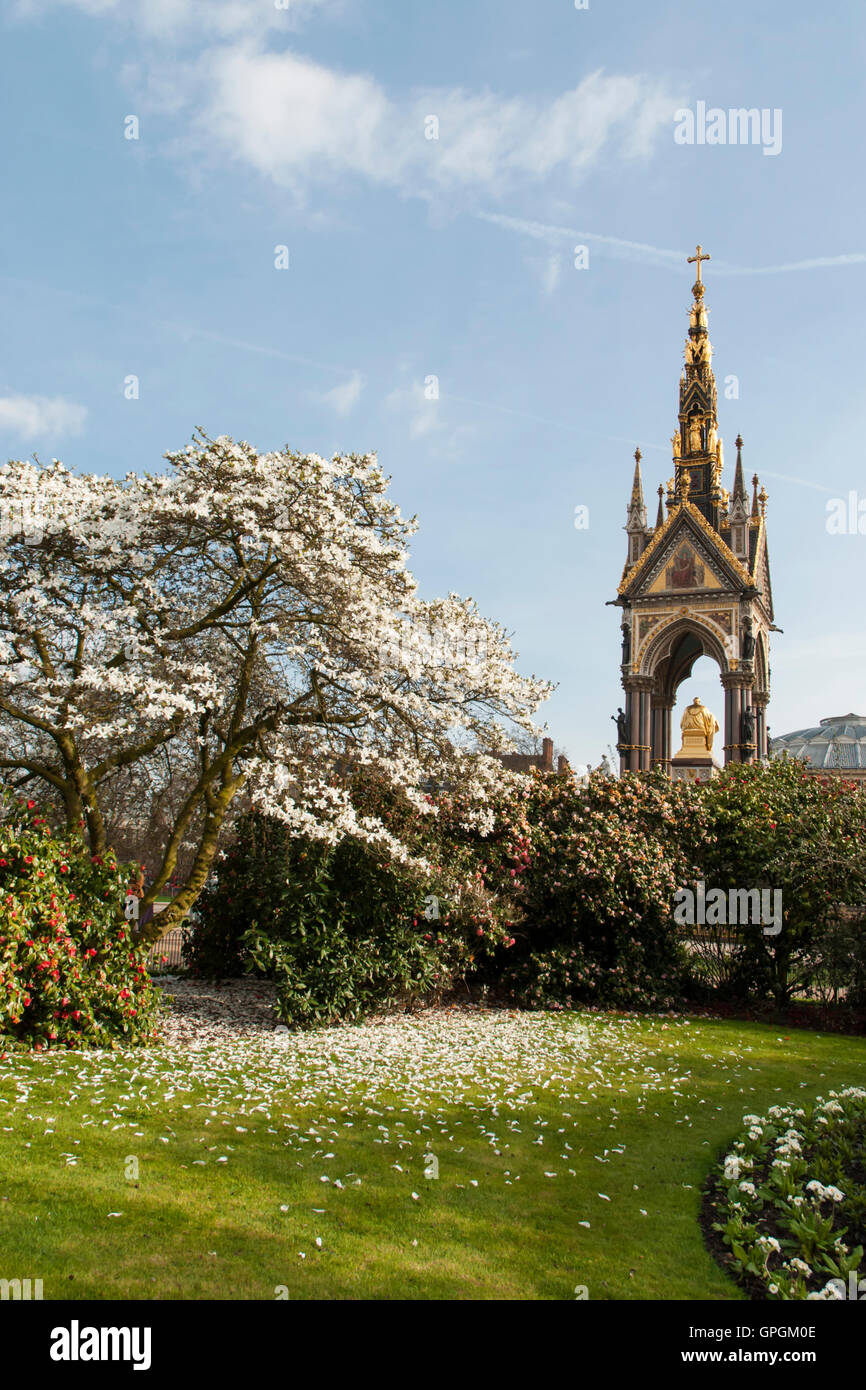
(760, 700)
(737, 688)
(639, 709)
(646, 731)
(625, 749)
(661, 734)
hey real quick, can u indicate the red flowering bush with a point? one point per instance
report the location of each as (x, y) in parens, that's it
(556, 894)
(69, 973)
(778, 827)
(595, 898)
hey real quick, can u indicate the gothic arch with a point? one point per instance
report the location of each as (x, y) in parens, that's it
(651, 687)
(673, 650)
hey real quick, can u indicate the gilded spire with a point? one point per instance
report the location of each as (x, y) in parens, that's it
(755, 497)
(637, 485)
(738, 514)
(636, 523)
(698, 453)
(660, 514)
(739, 494)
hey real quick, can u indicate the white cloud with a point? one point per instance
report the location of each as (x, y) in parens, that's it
(427, 418)
(548, 269)
(174, 19)
(346, 394)
(298, 123)
(291, 119)
(34, 417)
(422, 412)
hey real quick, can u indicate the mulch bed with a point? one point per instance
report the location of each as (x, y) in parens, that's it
(203, 1012)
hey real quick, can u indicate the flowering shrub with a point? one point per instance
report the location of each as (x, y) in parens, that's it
(595, 900)
(559, 894)
(344, 929)
(778, 826)
(69, 974)
(555, 893)
(790, 1199)
(337, 931)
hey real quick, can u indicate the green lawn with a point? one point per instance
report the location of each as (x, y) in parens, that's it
(323, 1138)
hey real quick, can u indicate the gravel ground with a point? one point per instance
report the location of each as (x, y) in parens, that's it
(204, 1011)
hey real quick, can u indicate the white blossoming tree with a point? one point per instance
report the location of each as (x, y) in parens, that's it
(241, 623)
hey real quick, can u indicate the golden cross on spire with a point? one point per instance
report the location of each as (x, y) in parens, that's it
(699, 258)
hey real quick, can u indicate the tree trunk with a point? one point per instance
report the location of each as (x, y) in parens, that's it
(175, 913)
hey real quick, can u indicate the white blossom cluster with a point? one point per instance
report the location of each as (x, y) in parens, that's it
(250, 619)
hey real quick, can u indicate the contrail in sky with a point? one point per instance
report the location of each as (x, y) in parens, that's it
(642, 251)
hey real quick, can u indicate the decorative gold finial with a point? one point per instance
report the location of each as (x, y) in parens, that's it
(762, 498)
(698, 286)
(637, 455)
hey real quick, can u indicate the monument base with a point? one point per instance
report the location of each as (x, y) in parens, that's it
(693, 769)
(694, 762)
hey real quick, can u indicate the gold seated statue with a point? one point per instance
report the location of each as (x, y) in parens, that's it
(696, 758)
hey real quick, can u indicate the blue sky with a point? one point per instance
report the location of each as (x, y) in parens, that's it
(411, 257)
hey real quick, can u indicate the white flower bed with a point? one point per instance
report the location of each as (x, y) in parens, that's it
(789, 1234)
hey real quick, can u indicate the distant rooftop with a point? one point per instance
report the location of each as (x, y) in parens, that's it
(838, 742)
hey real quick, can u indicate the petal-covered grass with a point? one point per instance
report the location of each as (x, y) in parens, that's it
(301, 1165)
